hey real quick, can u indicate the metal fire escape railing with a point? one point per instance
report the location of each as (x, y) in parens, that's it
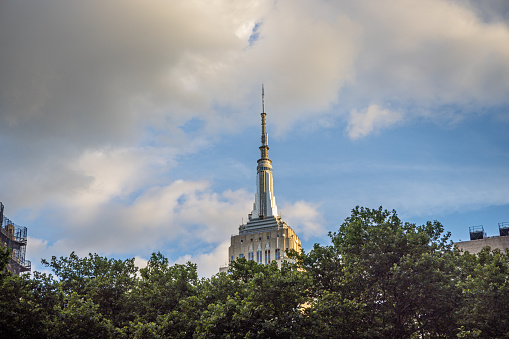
(15, 238)
(503, 228)
(477, 232)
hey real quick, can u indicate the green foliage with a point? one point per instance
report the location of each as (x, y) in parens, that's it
(107, 283)
(266, 303)
(378, 278)
(81, 318)
(162, 287)
(22, 314)
(485, 284)
(383, 278)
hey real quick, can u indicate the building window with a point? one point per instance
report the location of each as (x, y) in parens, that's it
(251, 239)
(231, 258)
(268, 237)
(241, 255)
(250, 256)
(260, 239)
(267, 257)
(259, 256)
(241, 241)
(278, 254)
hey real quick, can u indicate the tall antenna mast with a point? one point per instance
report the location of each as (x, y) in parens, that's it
(263, 100)
(264, 148)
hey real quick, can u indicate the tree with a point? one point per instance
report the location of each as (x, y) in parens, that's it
(107, 283)
(80, 318)
(22, 314)
(484, 280)
(392, 279)
(266, 302)
(162, 287)
(379, 277)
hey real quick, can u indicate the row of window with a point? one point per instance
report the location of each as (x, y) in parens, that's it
(260, 257)
(260, 238)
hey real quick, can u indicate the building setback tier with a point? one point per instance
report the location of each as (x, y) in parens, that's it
(264, 247)
(257, 225)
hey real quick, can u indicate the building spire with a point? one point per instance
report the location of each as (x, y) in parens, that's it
(264, 148)
(263, 100)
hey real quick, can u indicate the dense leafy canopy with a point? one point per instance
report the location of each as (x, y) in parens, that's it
(378, 278)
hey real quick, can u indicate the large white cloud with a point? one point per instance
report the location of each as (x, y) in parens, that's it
(431, 53)
(187, 215)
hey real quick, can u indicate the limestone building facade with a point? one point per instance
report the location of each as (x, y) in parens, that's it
(265, 237)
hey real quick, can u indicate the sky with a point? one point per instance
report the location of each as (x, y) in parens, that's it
(130, 127)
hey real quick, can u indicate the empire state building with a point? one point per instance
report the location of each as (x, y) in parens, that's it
(265, 237)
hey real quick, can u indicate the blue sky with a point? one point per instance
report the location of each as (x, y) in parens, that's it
(129, 127)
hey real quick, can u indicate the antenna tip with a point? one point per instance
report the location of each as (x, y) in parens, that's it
(263, 100)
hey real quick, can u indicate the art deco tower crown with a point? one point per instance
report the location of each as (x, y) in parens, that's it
(265, 237)
(265, 202)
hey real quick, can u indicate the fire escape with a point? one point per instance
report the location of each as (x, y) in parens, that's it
(14, 237)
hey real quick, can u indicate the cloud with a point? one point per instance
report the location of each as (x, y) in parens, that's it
(462, 191)
(495, 11)
(36, 248)
(305, 219)
(79, 75)
(185, 214)
(435, 52)
(305, 55)
(95, 98)
(208, 263)
(78, 78)
(140, 262)
(423, 189)
(374, 118)
(181, 211)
